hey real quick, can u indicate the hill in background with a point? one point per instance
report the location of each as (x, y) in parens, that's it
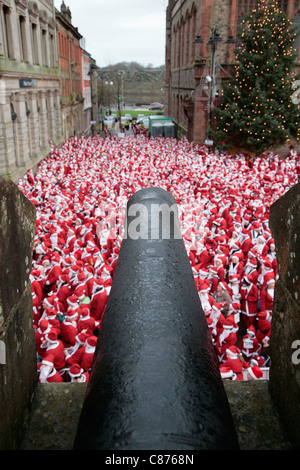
(138, 85)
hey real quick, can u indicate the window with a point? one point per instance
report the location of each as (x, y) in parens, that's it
(23, 39)
(35, 54)
(8, 32)
(44, 47)
(52, 51)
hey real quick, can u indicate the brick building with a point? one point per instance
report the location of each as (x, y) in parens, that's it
(189, 63)
(29, 84)
(70, 66)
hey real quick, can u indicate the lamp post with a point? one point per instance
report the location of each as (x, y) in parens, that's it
(214, 39)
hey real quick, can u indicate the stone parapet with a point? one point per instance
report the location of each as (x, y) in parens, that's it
(18, 375)
(285, 336)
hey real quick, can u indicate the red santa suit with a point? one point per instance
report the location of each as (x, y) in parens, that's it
(74, 354)
(263, 326)
(37, 309)
(87, 323)
(88, 353)
(98, 302)
(213, 278)
(53, 275)
(235, 267)
(38, 290)
(220, 270)
(68, 328)
(234, 289)
(249, 301)
(51, 315)
(48, 374)
(40, 337)
(207, 300)
(267, 297)
(202, 258)
(217, 319)
(226, 339)
(246, 244)
(63, 291)
(233, 361)
(249, 345)
(54, 355)
(77, 374)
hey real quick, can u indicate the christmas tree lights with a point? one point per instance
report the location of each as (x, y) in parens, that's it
(256, 111)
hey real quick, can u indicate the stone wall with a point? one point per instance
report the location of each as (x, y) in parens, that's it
(18, 377)
(285, 335)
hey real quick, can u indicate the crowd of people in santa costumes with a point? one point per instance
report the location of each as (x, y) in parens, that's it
(80, 193)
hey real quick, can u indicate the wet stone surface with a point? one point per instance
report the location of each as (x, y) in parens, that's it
(57, 408)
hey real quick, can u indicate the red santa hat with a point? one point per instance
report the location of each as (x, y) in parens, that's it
(85, 312)
(217, 307)
(233, 351)
(64, 278)
(71, 313)
(81, 276)
(257, 360)
(51, 337)
(251, 330)
(50, 312)
(203, 272)
(43, 324)
(203, 286)
(252, 262)
(75, 370)
(228, 324)
(255, 372)
(235, 307)
(81, 338)
(72, 301)
(264, 315)
(224, 285)
(226, 372)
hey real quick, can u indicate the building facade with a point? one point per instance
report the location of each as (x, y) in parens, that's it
(190, 61)
(30, 115)
(86, 92)
(70, 66)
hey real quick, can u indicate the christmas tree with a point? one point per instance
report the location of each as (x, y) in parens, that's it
(257, 109)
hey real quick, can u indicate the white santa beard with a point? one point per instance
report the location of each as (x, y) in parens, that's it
(224, 335)
(271, 292)
(235, 289)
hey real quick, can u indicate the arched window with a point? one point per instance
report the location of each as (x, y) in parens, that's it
(8, 32)
(244, 8)
(23, 38)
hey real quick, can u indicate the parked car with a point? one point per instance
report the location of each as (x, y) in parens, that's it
(157, 106)
(129, 117)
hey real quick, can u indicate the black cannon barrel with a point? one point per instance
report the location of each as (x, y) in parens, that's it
(155, 381)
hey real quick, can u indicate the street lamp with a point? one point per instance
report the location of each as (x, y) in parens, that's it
(214, 39)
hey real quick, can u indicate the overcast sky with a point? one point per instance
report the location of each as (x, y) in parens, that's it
(121, 30)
